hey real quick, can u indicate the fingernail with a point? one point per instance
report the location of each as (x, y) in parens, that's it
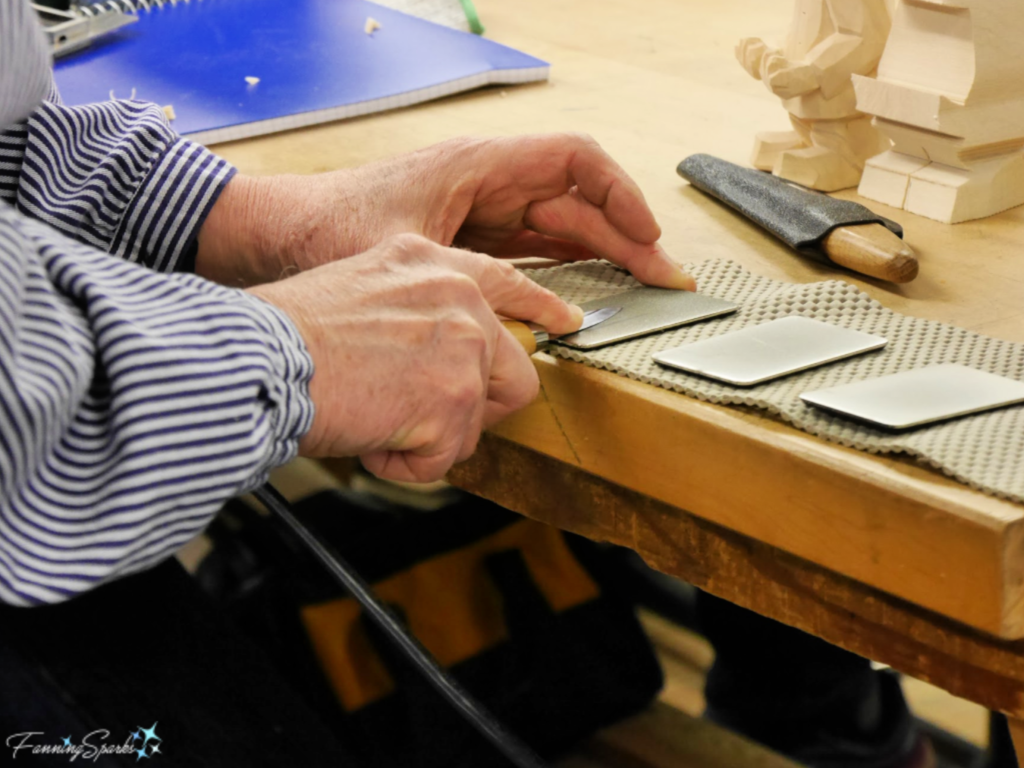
(677, 278)
(577, 315)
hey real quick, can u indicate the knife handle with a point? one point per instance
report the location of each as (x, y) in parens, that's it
(872, 250)
(523, 333)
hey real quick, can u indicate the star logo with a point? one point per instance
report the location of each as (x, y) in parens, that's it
(141, 754)
(149, 733)
(135, 735)
(67, 741)
(154, 750)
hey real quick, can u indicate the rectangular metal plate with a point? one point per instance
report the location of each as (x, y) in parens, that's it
(645, 310)
(918, 397)
(769, 351)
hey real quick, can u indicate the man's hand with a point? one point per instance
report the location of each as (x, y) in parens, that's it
(556, 196)
(411, 362)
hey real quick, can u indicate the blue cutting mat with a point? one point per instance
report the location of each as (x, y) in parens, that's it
(314, 60)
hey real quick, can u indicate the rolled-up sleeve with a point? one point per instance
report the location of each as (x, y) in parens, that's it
(113, 175)
(132, 405)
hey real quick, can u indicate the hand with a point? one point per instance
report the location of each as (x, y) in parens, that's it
(558, 196)
(788, 80)
(750, 51)
(411, 362)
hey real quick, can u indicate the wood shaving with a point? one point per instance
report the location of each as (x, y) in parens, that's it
(252, 80)
(169, 112)
(371, 25)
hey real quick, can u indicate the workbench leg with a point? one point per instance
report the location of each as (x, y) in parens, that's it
(1017, 734)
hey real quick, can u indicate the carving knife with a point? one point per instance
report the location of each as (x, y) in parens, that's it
(533, 337)
(815, 225)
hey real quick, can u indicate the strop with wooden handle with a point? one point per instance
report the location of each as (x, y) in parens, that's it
(813, 224)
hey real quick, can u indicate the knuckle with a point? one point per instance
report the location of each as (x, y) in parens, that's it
(582, 137)
(408, 245)
(505, 269)
(465, 392)
(461, 289)
(531, 389)
(463, 333)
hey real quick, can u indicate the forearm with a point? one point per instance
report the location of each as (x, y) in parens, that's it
(133, 405)
(265, 228)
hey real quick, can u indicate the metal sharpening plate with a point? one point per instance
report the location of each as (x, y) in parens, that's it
(770, 350)
(918, 397)
(645, 310)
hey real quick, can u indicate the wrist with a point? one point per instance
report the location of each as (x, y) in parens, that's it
(234, 242)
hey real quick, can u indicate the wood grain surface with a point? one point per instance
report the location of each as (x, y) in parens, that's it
(750, 573)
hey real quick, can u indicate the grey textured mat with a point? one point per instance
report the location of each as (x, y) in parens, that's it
(986, 451)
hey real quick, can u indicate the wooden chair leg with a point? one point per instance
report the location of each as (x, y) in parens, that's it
(1017, 734)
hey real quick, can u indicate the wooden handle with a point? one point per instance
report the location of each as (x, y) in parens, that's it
(872, 250)
(523, 333)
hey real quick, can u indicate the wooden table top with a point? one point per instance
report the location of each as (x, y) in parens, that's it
(655, 82)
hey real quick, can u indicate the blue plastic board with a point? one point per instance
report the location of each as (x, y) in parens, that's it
(313, 59)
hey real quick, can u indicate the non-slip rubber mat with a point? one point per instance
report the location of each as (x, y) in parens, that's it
(985, 451)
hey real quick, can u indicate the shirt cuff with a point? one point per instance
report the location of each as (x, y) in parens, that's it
(288, 392)
(161, 223)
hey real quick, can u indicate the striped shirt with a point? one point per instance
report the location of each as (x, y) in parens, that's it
(134, 398)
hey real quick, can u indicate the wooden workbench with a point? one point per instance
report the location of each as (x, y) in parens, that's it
(880, 556)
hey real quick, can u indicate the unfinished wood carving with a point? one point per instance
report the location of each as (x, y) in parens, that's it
(828, 42)
(950, 95)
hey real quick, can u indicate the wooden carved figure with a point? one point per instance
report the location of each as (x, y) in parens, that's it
(828, 42)
(950, 95)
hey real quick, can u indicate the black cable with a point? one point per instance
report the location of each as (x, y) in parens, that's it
(506, 742)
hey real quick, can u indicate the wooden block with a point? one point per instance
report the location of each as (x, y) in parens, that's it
(817, 168)
(953, 195)
(924, 145)
(887, 177)
(950, 90)
(898, 102)
(828, 41)
(768, 145)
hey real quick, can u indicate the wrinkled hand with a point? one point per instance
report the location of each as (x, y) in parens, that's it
(750, 52)
(411, 362)
(787, 79)
(555, 196)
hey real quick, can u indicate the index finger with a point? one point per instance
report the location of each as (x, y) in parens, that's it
(512, 294)
(603, 183)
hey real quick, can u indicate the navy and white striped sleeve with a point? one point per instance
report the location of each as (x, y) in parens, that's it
(132, 405)
(114, 175)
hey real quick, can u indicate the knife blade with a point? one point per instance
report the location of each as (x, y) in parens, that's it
(533, 337)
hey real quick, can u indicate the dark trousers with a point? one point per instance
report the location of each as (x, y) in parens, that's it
(151, 649)
(777, 684)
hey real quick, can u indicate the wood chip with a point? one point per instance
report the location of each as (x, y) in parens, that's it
(252, 80)
(169, 112)
(371, 25)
